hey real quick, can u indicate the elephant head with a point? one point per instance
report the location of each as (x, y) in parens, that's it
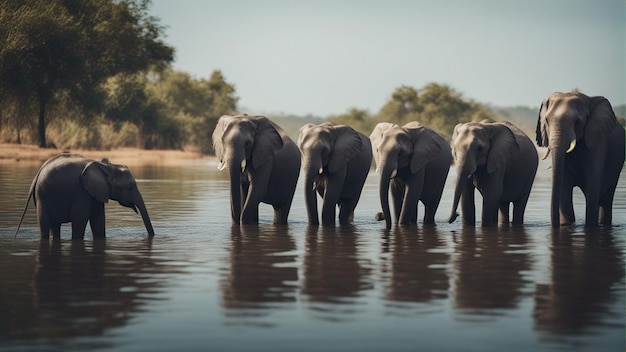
(475, 145)
(409, 147)
(104, 181)
(243, 143)
(565, 120)
(326, 149)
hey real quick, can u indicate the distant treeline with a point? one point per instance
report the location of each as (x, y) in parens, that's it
(96, 74)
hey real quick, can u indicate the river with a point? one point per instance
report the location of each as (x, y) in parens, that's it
(203, 285)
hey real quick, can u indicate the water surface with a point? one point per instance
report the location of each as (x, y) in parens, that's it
(202, 284)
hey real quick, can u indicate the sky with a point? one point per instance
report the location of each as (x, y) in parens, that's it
(324, 57)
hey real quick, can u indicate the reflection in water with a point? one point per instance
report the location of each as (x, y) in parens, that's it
(489, 267)
(263, 270)
(418, 269)
(585, 271)
(80, 288)
(333, 275)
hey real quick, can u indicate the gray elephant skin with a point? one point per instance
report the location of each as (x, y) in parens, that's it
(73, 188)
(587, 146)
(336, 160)
(263, 165)
(413, 161)
(500, 161)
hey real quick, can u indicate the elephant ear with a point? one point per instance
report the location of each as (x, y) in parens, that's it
(347, 144)
(542, 132)
(267, 140)
(426, 145)
(95, 180)
(504, 145)
(218, 133)
(601, 121)
(376, 136)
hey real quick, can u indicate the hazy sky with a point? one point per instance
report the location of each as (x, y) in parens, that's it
(324, 57)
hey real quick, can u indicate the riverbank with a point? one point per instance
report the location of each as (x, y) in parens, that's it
(12, 153)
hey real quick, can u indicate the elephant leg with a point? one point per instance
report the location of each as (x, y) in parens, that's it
(605, 214)
(346, 210)
(503, 213)
(397, 196)
(334, 186)
(44, 221)
(256, 190)
(55, 230)
(97, 219)
(281, 212)
(566, 208)
(78, 228)
(411, 198)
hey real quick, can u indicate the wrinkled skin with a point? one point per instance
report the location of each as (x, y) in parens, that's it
(72, 188)
(587, 147)
(413, 161)
(263, 165)
(500, 161)
(336, 160)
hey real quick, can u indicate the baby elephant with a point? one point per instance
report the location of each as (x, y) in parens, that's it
(499, 160)
(72, 188)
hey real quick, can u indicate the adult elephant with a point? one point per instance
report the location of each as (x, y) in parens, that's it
(336, 161)
(587, 146)
(263, 165)
(72, 188)
(500, 161)
(412, 160)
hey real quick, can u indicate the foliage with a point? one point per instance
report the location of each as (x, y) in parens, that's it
(435, 105)
(61, 51)
(359, 119)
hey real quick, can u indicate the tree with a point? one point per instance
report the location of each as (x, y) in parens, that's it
(63, 50)
(435, 105)
(359, 119)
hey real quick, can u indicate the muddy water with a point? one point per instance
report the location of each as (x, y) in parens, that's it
(202, 285)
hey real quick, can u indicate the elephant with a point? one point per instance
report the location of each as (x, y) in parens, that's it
(412, 160)
(587, 145)
(263, 165)
(336, 160)
(500, 161)
(73, 188)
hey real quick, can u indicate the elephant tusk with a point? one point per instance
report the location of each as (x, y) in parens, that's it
(221, 166)
(243, 165)
(394, 173)
(320, 171)
(545, 156)
(572, 145)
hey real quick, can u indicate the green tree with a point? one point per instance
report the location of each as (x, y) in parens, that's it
(435, 105)
(63, 50)
(359, 119)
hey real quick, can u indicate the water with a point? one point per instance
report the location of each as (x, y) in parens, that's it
(202, 285)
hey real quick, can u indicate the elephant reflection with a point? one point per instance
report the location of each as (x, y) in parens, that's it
(81, 290)
(332, 271)
(257, 274)
(489, 269)
(417, 269)
(581, 292)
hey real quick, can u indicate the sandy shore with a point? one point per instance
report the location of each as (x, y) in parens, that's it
(12, 153)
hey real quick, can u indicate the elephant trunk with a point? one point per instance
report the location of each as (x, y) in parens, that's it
(463, 173)
(557, 146)
(558, 159)
(310, 188)
(235, 171)
(141, 206)
(387, 172)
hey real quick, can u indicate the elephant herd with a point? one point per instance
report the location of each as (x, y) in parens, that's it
(264, 164)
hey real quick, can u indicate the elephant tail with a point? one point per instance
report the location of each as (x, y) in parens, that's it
(31, 194)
